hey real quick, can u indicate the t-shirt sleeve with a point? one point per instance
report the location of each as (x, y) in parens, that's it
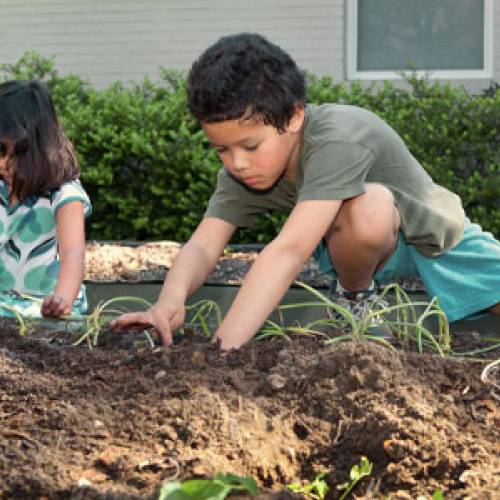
(234, 203)
(335, 171)
(71, 191)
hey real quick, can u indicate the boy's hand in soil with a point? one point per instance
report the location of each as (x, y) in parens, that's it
(188, 272)
(55, 306)
(164, 318)
(274, 270)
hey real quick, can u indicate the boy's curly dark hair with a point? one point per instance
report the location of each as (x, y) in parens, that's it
(245, 76)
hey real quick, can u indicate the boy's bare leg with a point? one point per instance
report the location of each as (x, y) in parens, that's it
(363, 236)
(496, 309)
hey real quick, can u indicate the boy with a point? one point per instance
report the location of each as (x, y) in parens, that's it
(354, 191)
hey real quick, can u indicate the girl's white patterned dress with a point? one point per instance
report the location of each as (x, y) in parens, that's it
(29, 261)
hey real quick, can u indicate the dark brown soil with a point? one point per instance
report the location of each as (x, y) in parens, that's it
(117, 421)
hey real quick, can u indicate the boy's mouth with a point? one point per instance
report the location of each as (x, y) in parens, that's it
(251, 181)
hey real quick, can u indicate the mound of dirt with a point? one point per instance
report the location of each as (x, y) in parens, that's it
(116, 422)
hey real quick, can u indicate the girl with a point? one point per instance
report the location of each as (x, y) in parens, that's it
(42, 208)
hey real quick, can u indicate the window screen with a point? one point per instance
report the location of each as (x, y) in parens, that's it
(420, 34)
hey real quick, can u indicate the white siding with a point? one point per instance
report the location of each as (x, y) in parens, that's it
(496, 40)
(108, 40)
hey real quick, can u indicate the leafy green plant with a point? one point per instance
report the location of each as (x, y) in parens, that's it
(21, 321)
(400, 319)
(205, 311)
(208, 489)
(437, 495)
(95, 321)
(358, 472)
(316, 489)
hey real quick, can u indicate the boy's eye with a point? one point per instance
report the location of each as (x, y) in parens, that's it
(251, 148)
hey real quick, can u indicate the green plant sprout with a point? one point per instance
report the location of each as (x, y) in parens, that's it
(21, 321)
(95, 321)
(203, 311)
(437, 495)
(208, 489)
(101, 315)
(404, 322)
(316, 490)
(358, 472)
(91, 325)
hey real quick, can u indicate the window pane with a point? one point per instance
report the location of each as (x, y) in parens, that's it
(420, 34)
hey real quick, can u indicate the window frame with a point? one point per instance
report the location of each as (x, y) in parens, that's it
(455, 74)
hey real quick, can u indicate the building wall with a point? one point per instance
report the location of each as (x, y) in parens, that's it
(108, 40)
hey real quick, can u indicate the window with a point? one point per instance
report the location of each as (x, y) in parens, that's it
(442, 38)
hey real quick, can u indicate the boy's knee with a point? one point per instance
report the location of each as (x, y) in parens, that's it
(370, 218)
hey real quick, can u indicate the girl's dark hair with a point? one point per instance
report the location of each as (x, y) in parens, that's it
(243, 76)
(30, 134)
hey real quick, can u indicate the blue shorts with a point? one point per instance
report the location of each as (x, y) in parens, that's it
(466, 279)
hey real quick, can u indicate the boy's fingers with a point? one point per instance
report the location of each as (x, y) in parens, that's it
(130, 320)
(144, 320)
(163, 328)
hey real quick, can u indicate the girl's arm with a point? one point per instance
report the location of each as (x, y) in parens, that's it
(70, 235)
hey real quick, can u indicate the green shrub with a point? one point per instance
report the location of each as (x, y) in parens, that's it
(149, 170)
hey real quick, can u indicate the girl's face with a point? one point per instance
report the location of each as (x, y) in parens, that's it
(6, 164)
(255, 153)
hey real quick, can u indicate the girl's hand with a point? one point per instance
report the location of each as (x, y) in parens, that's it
(55, 306)
(164, 318)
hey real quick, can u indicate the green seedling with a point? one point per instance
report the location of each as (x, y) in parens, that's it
(437, 495)
(95, 321)
(21, 321)
(358, 472)
(208, 489)
(204, 310)
(404, 324)
(495, 345)
(316, 490)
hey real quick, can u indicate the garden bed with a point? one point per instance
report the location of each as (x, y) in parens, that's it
(116, 421)
(119, 420)
(129, 262)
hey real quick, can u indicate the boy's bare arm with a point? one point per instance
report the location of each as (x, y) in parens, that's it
(188, 272)
(196, 259)
(275, 269)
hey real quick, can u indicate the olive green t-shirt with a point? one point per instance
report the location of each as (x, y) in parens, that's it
(342, 148)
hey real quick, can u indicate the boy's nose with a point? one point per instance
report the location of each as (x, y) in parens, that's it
(240, 163)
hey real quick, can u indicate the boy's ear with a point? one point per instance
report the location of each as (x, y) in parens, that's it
(297, 119)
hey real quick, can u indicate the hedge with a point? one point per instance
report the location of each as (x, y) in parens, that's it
(149, 169)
